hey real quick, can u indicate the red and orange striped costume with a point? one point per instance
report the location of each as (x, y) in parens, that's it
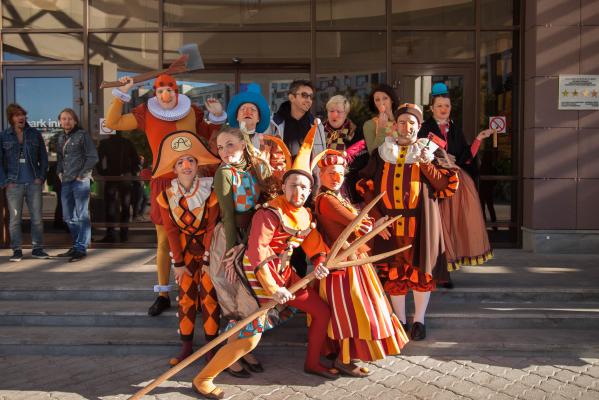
(363, 325)
(189, 219)
(410, 191)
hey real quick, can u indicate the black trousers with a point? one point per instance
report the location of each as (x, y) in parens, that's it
(117, 203)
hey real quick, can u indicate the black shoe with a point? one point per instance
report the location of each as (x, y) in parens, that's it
(67, 253)
(77, 256)
(447, 285)
(40, 254)
(17, 255)
(418, 331)
(239, 374)
(107, 239)
(252, 367)
(406, 327)
(160, 304)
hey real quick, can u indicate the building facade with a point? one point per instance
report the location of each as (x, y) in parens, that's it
(500, 58)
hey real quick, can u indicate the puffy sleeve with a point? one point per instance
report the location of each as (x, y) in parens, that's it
(117, 121)
(223, 187)
(264, 226)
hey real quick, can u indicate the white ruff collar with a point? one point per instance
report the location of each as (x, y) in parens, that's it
(389, 150)
(195, 198)
(178, 112)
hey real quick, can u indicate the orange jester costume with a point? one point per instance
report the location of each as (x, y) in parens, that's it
(189, 216)
(157, 121)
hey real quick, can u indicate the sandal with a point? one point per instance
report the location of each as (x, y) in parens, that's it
(216, 393)
(329, 373)
(351, 369)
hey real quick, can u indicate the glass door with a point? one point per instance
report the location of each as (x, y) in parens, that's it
(43, 92)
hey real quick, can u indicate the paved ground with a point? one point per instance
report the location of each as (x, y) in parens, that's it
(413, 377)
(479, 372)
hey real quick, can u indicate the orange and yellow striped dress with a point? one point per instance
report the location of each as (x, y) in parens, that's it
(362, 325)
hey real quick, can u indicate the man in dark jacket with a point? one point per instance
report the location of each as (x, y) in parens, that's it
(23, 169)
(117, 158)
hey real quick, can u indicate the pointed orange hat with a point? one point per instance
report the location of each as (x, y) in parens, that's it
(301, 164)
(178, 144)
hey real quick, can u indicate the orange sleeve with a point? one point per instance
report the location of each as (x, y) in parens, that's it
(213, 213)
(264, 225)
(314, 244)
(203, 128)
(172, 232)
(332, 209)
(116, 120)
(437, 179)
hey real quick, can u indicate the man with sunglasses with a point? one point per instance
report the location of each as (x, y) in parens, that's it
(293, 119)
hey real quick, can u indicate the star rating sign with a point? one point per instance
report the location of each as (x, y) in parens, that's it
(594, 93)
(565, 93)
(575, 93)
(586, 93)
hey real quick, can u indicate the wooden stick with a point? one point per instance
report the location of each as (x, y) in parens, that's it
(176, 67)
(371, 259)
(350, 228)
(360, 241)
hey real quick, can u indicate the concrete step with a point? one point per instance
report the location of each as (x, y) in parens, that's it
(491, 315)
(164, 341)
(45, 291)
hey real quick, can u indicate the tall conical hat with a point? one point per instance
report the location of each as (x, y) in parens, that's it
(177, 144)
(301, 164)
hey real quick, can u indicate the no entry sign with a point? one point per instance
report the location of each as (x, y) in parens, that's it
(498, 123)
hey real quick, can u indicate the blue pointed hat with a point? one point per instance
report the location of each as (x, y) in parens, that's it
(439, 89)
(254, 96)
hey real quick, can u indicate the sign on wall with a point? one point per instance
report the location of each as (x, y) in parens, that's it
(578, 92)
(104, 130)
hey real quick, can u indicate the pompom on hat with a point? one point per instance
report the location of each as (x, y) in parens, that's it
(439, 89)
(412, 109)
(329, 157)
(178, 144)
(254, 96)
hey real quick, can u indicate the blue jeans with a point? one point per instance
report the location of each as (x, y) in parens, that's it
(75, 212)
(32, 194)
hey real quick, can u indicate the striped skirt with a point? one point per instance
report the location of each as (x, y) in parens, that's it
(362, 322)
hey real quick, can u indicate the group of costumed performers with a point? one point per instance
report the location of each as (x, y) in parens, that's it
(232, 235)
(466, 239)
(168, 111)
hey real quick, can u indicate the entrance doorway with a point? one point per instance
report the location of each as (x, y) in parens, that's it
(43, 93)
(498, 187)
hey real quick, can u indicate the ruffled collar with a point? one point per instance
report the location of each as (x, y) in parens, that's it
(178, 112)
(196, 196)
(390, 150)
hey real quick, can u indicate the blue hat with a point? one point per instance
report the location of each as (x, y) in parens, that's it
(251, 95)
(439, 89)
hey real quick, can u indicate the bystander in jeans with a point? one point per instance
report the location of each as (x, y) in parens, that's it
(23, 169)
(76, 156)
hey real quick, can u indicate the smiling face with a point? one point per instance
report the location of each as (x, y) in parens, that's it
(230, 148)
(167, 97)
(332, 176)
(248, 113)
(408, 129)
(441, 108)
(296, 189)
(302, 99)
(186, 167)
